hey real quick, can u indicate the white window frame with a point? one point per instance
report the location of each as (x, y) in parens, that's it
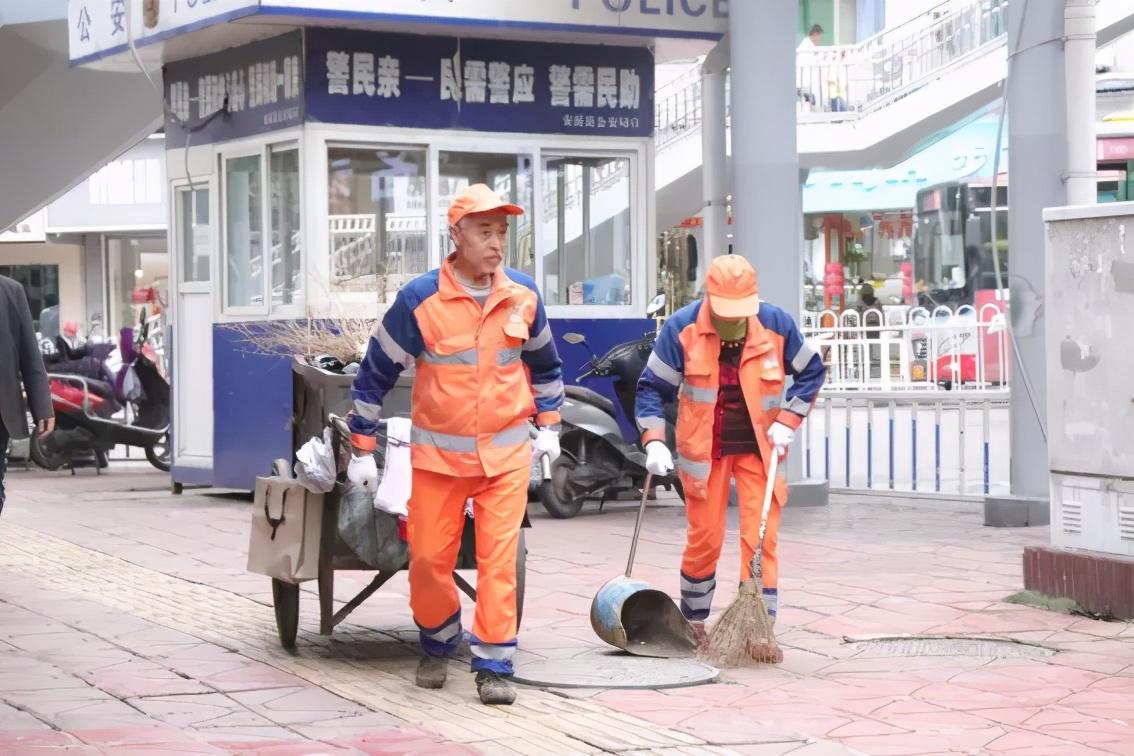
(438, 146)
(176, 222)
(638, 264)
(297, 308)
(354, 303)
(261, 146)
(357, 304)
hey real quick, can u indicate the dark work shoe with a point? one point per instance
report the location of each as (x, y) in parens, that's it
(431, 672)
(494, 690)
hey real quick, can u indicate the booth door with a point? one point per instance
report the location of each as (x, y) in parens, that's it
(193, 336)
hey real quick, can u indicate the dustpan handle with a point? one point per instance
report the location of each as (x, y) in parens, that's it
(638, 524)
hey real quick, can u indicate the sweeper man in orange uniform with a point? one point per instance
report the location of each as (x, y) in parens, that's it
(486, 365)
(725, 360)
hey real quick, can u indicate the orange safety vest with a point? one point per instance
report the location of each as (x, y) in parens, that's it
(476, 370)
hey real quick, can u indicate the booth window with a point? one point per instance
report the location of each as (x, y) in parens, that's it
(41, 284)
(510, 176)
(586, 231)
(248, 252)
(244, 218)
(376, 218)
(195, 242)
(287, 236)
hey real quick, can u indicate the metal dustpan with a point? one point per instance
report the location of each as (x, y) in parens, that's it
(629, 614)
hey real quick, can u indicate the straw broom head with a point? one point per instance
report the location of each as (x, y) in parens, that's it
(743, 636)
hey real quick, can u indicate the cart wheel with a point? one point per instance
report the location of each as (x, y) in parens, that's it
(521, 578)
(285, 597)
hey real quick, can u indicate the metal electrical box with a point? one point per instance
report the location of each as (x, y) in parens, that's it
(1089, 309)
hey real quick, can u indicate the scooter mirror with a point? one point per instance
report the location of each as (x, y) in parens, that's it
(574, 338)
(656, 305)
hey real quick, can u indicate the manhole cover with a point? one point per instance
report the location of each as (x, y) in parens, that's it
(937, 645)
(614, 669)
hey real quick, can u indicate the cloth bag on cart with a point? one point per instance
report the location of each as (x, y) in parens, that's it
(287, 526)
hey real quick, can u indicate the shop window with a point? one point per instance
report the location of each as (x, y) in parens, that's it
(376, 218)
(137, 276)
(195, 241)
(41, 284)
(510, 176)
(287, 236)
(586, 231)
(243, 233)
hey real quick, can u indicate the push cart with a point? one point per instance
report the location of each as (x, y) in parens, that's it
(321, 394)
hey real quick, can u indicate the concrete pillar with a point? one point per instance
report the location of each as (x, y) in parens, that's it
(766, 198)
(714, 171)
(1037, 162)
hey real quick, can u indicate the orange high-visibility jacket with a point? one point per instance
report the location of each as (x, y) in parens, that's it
(482, 372)
(685, 365)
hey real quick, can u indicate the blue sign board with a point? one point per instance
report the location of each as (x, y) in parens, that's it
(382, 79)
(235, 93)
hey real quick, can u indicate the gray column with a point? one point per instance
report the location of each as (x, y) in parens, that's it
(767, 206)
(766, 203)
(1037, 159)
(714, 171)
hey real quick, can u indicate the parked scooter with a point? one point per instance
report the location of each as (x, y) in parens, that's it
(86, 405)
(599, 460)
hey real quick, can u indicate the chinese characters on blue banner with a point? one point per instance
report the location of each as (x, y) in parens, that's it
(236, 93)
(484, 85)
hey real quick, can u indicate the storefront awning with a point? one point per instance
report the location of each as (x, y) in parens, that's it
(963, 155)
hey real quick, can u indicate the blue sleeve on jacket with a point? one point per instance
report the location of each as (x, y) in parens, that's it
(540, 354)
(394, 345)
(801, 361)
(660, 380)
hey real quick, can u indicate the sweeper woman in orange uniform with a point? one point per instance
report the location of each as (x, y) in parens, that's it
(725, 360)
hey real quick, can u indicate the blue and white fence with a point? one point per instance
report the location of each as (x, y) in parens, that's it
(935, 442)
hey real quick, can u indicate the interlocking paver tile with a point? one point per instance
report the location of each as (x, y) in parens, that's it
(165, 600)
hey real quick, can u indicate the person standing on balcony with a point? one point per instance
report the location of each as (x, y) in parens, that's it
(21, 371)
(486, 365)
(724, 360)
(805, 65)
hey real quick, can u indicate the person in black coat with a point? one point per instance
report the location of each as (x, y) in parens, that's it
(20, 365)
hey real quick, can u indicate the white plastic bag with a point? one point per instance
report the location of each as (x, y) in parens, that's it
(397, 471)
(315, 464)
(131, 386)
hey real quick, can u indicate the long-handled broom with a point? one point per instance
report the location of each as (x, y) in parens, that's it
(743, 635)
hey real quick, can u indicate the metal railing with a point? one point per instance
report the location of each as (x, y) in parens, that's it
(843, 82)
(913, 349)
(910, 442)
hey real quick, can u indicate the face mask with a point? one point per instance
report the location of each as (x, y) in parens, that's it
(731, 330)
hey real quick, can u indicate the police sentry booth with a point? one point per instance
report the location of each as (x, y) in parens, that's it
(314, 148)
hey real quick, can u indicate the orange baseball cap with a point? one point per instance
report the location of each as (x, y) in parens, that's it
(731, 285)
(479, 199)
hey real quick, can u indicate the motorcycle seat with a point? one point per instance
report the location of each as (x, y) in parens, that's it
(584, 394)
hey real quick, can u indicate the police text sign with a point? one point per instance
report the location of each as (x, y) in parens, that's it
(482, 85)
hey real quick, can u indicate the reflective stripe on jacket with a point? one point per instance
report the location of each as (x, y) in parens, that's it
(685, 365)
(481, 372)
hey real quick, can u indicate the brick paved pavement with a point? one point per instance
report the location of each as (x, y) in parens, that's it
(128, 624)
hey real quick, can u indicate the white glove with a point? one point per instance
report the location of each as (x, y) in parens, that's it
(362, 471)
(780, 436)
(659, 460)
(546, 442)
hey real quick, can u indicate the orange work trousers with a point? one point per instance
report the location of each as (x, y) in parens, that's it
(707, 518)
(435, 524)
